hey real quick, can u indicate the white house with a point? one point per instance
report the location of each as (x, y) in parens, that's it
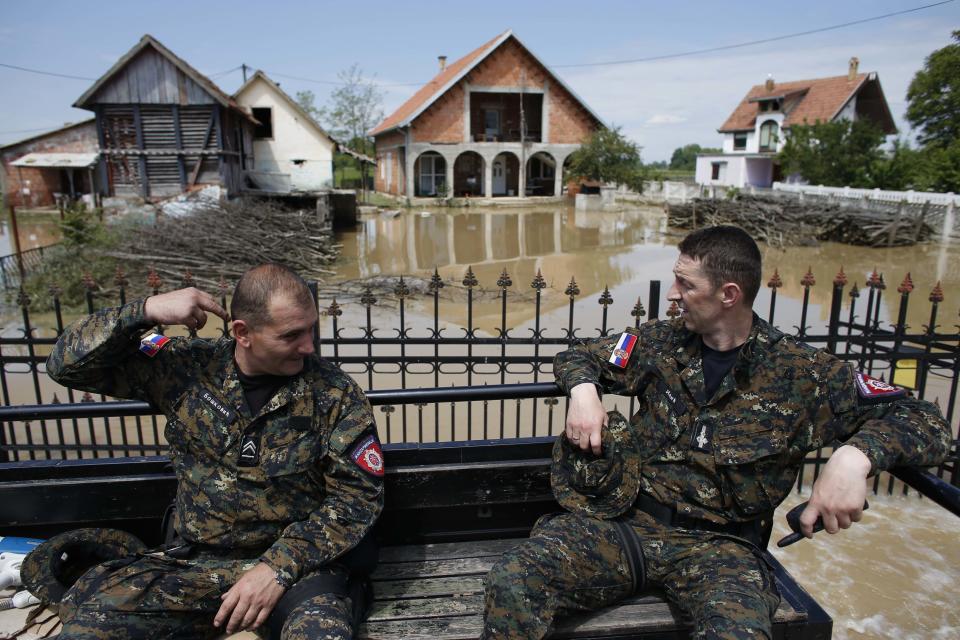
(757, 128)
(291, 152)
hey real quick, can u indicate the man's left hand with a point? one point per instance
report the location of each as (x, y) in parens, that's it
(248, 603)
(839, 493)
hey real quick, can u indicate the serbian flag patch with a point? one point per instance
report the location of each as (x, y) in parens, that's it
(873, 390)
(621, 352)
(368, 456)
(151, 344)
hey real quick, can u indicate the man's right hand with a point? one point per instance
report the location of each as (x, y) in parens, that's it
(586, 418)
(188, 307)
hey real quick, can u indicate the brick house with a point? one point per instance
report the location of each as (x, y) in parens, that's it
(757, 129)
(480, 120)
(62, 161)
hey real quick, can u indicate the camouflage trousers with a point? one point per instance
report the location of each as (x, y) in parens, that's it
(576, 563)
(156, 597)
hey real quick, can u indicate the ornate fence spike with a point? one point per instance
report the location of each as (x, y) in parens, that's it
(401, 290)
(538, 281)
(436, 282)
(334, 309)
(504, 280)
(638, 311)
(86, 397)
(605, 298)
(154, 281)
(23, 300)
(470, 280)
(882, 284)
(674, 310)
(874, 280)
(120, 278)
(572, 289)
(808, 280)
(88, 282)
(188, 280)
(55, 291)
(854, 291)
(907, 285)
(775, 281)
(368, 299)
(937, 294)
(840, 280)
(222, 285)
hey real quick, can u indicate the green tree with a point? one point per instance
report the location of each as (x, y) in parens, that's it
(607, 156)
(837, 154)
(685, 158)
(308, 101)
(933, 99)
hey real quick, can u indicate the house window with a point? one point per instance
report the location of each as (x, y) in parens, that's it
(491, 123)
(740, 141)
(264, 130)
(768, 135)
(433, 173)
(717, 170)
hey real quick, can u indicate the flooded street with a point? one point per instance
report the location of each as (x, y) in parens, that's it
(892, 576)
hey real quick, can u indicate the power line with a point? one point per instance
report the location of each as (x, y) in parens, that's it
(751, 43)
(45, 73)
(338, 83)
(52, 127)
(223, 73)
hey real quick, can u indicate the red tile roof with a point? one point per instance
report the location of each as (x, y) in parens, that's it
(430, 91)
(821, 99)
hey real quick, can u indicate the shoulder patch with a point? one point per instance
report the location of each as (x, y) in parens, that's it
(872, 390)
(368, 455)
(622, 350)
(151, 344)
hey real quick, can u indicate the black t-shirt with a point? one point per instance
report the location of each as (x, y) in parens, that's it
(259, 389)
(716, 365)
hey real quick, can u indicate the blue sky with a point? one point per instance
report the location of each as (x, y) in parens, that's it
(661, 105)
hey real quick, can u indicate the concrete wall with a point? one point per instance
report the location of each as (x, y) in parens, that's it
(293, 139)
(43, 183)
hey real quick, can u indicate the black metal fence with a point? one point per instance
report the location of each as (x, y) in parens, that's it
(12, 266)
(427, 354)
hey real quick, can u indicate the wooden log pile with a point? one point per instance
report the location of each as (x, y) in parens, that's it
(784, 222)
(223, 240)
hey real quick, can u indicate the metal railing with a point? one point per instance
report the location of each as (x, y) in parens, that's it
(410, 357)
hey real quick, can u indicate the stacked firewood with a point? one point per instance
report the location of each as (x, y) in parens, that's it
(222, 240)
(789, 222)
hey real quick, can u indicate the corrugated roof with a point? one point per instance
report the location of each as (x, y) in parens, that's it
(453, 73)
(822, 99)
(61, 160)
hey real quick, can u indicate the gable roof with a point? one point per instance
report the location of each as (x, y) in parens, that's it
(149, 41)
(819, 99)
(260, 75)
(451, 75)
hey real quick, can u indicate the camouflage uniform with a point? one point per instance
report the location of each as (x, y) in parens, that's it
(303, 498)
(716, 464)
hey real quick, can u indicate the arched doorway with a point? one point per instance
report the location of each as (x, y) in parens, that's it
(468, 175)
(506, 175)
(430, 174)
(541, 174)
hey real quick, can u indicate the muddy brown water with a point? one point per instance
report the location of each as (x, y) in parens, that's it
(894, 575)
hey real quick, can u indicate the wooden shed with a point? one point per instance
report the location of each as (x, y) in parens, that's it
(163, 127)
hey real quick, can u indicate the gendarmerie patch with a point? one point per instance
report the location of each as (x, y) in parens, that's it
(872, 390)
(623, 349)
(249, 451)
(151, 344)
(218, 406)
(368, 455)
(702, 437)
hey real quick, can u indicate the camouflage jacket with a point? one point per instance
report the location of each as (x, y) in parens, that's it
(303, 500)
(734, 457)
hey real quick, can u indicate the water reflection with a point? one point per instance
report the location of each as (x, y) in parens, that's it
(36, 230)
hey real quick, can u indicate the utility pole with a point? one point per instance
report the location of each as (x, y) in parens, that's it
(244, 67)
(522, 174)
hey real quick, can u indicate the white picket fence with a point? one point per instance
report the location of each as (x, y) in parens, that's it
(877, 195)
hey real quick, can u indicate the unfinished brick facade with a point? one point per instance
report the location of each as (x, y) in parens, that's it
(499, 102)
(44, 183)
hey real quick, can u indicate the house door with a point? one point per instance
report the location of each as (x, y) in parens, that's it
(499, 178)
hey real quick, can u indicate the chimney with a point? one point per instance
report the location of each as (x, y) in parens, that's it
(854, 64)
(443, 62)
(769, 84)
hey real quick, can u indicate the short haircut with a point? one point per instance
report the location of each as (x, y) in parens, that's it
(728, 254)
(259, 285)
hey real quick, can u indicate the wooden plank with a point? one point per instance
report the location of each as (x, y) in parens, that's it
(447, 550)
(427, 569)
(451, 586)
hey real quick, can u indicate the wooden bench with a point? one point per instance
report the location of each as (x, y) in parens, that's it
(451, 510)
